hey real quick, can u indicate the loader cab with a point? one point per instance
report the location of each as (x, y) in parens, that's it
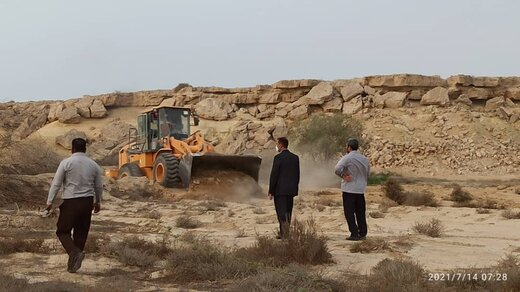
(162, 122)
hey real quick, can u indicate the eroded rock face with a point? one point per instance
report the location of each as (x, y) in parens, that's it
(69, 115)
(405, 80)
(394, 99)
(213, 109)
(319, 94)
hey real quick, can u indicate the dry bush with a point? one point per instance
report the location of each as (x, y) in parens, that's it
(370, 245)
(376, 214)
(483, 204)
(14, 245)
(325, 193)
(212, 205)
(517, 191)
(187, 222)
(403, 242)
(10, 283)
(153, 214)
(394, 191)
(241, 233)
(303, 245)
(425, 198)
(203, 261)
(510, 214)
(392, 275)
(263, 220)
(96, 243)
(320, 208)
(289, 278)
(386, 204)
(134, 251)
(258, 210)
(329, 202)
(459, 195)
(483, 211)
(433, 228)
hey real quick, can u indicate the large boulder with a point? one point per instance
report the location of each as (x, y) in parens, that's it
(65, 140)
(476, 93)
(394, 99)
(351, 90)
(69, 115)
(265, 111)
(466, 80)
(54, 110)
(300, 112)
(333, 105)
(436, 96)
(513, 93)
(83, 106)
(319, 94)
(29, 126)
(494, 103)
(213, 109)
(353, 106)
(98, 110)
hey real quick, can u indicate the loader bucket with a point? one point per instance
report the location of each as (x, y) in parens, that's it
(192, 165)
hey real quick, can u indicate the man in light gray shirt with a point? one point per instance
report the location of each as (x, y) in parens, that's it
(82, 183)
(354, 169)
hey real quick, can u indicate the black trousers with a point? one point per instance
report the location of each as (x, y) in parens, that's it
(354, 207)
(75, 216)
(284, 206)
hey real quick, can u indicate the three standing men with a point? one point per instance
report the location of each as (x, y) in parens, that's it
(283, 184)
(354, 169)
(82, 183)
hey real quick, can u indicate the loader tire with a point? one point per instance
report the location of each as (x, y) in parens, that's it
(166, 170)
(129, 169)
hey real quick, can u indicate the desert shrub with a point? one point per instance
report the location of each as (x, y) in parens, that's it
(96, 243)
(375, 179)
(203, 261)
(258, 210)
(396, 275)
(289, 278)
(517, 191)
(320, 208)
(152, 214)
(510, 214)
(386, 204)
(394, 191)
(403, 242)
(459, 195)
(425, 198)
(323, 136)
(482, 204)
(212, 205)
(303, 245)
(483, 211)
(376, 214)
(329, 202)
(134, 251)
(12, 284)
(187, 222)
(15, 245)
(370, 245)
(433, 228)
(180, 86)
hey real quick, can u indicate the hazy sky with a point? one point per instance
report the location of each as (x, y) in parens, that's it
(63, 49)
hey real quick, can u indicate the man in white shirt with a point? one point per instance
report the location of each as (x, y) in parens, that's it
(81, 178)
(354, 169)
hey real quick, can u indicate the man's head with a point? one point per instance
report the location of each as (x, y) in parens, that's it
(352, 145)
(282, 144)
(79, 145)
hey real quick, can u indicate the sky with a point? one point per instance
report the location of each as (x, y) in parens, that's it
(61, 49)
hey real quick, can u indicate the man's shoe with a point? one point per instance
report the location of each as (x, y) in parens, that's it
(354, 238)
(362, 238)
(69, 263)
(76, 262)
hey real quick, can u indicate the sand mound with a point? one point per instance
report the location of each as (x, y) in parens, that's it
(24, 190)
(223, 185)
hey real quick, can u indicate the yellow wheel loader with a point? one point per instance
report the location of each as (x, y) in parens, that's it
(163, 149)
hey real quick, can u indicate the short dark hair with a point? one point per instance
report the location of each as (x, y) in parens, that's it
(353, 143)
(79, 145)
(284, 142)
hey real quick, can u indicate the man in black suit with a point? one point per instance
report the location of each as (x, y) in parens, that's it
(283, 184)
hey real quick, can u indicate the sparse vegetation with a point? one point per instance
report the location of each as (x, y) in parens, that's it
(187, 222)
(323, 136)
(395, 192)
(328, 202)
(258, 210)
(369, 245)
(376, 214)
(510, 214)
(517, 191)
(303, 245)
(483, 211)
(459, 195)
(386, 204)
(212, 205)
(134, 251)
(153, 214)
(481, 204)
(14, 245)
(391, 275)
(180, 86)
(289, 278)
(376, 179)
(432, 228)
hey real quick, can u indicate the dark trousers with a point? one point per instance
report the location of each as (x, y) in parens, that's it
(75, 215)
(284, 206)
(354, 207)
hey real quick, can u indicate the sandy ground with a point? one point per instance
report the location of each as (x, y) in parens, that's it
(470, 239)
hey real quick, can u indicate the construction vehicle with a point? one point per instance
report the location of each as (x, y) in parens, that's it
(163, 149)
